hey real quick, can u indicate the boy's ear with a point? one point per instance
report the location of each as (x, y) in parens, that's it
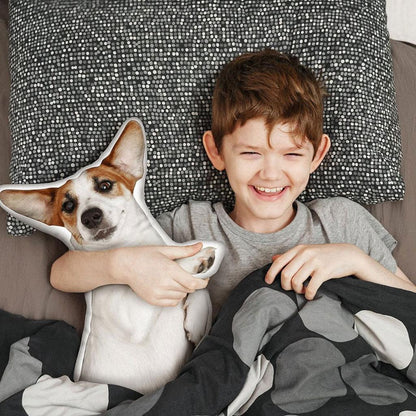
(127, 154)
(35, 204)
(212, 150)
(321, 152)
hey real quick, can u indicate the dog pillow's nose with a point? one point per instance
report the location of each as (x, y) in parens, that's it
(92, 217)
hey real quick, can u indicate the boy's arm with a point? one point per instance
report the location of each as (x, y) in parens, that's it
(322, 262)
(399, 273)
(149, 270)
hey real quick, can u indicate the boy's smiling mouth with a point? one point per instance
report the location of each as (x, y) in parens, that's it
(262, 190)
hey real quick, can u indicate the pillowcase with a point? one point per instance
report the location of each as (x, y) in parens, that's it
(80, 68)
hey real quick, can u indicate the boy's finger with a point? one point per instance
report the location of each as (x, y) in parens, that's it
(300, 277)
(271, 274)
(179, 252)
(167, 298)
(280, 261)
(275, 268)
(191, 283)
(296, 265)
(176, 295)
(168, 301)
(313, 285)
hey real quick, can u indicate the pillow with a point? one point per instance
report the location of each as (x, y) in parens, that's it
(80, 68)
(104, 208)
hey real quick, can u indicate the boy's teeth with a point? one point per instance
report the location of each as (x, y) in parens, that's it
(274, 190)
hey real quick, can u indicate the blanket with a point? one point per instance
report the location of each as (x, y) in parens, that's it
(37, 358)
(350, 351)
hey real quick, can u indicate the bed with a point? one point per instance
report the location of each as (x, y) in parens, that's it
(26, 260)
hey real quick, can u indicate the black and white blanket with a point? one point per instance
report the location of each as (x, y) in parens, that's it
(351, 351)
(37, 359)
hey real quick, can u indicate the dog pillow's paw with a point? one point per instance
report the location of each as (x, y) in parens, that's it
(198, 315)
(200, 262)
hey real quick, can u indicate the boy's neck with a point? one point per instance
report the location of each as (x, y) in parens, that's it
(263, 225)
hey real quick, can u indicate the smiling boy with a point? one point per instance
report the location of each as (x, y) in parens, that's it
(267, 169)
(267, 135)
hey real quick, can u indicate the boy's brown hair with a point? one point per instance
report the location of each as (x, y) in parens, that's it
(271, 85)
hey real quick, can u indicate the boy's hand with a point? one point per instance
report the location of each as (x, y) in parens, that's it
(152, 273)
(320, 262)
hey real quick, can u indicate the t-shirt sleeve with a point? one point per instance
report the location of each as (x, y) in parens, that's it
(385, 236)
(177, 223)
(367, 233)
(165, 220)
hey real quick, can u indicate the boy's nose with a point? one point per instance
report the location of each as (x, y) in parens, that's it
(271, 170)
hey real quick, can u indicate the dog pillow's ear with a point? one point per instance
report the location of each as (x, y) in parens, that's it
(35, 204)
(128, 152)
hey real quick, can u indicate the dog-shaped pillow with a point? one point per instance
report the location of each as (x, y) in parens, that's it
(125, 340)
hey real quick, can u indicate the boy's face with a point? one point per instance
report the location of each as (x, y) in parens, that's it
(266, 172)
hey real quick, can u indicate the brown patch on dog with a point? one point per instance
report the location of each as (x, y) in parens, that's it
(103, 172)
(69, 220)
(36, 204)
(122, 183)
(127, 154)
(123, 167)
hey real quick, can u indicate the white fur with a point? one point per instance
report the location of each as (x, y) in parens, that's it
(133, 343)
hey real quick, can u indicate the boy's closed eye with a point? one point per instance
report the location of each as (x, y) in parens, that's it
(250, 154)
(255, 154)
(294, 154)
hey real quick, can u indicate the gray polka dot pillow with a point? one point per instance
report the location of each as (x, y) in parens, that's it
(80, 68)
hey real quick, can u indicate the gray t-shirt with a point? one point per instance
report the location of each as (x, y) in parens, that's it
(332, 220)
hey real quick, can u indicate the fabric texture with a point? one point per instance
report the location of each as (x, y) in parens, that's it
(349, 352)
(36, 368)
(80, 68)
(270, 352)
(25, 262)
(331, 220)
(30, 348)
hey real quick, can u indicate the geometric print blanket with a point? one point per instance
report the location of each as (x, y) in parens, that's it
(350, 351)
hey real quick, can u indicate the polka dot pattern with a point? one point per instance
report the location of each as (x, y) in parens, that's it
(327, 317)
(322, 360)
(371, 386)
(387, 336)
(307, 383)
(264, 309)
(79, 69)
(299, 368)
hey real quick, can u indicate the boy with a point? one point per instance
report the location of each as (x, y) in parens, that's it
(267, 135)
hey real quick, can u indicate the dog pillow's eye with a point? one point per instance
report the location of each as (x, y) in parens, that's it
(105, 186)
(68, 206)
